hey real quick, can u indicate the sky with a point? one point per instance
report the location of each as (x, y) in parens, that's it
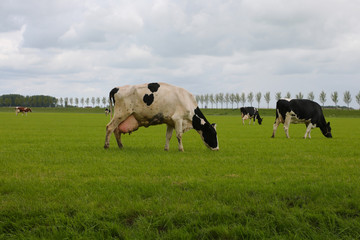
(67, 48)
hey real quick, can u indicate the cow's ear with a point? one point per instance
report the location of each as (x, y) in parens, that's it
(328, 124)
(214, 125)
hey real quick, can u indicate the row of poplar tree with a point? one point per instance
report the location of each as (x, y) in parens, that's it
(218, 100)
(231, 98)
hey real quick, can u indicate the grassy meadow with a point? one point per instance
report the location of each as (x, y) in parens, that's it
(57, 181)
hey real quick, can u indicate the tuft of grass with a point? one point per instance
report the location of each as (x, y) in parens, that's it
(57, 181)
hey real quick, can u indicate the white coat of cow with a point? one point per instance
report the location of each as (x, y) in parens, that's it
(158, 103)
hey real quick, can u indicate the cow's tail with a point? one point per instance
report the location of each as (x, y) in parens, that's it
(112, 100)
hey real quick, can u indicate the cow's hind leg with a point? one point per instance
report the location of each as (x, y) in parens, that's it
(275, 126)
(169, 132)
(110, 128)
(118, 137)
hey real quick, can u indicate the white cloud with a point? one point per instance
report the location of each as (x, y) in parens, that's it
(66, 48)
(102, 25)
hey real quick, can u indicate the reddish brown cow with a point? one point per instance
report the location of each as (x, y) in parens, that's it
(23, 110)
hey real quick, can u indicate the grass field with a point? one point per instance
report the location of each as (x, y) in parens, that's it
(57, 181)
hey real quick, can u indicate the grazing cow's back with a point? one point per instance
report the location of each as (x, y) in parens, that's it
(301, 111)
(157, 103)
(250, 113)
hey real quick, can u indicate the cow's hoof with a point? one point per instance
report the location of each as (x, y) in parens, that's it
(106, 146)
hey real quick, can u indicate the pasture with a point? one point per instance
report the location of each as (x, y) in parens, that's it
(57, 181)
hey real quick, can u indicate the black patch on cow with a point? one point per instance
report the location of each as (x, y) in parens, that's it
(200, 114)
(153, 87)
(248, 110)
(148, 99)
(207, 130)
(326, 130)
(196, 122)
(157, 119)
(112, 93)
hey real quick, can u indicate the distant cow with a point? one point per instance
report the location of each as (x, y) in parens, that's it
(250, 113)
(301, 111)
(158, 103)
(107, 111)
(23, 110)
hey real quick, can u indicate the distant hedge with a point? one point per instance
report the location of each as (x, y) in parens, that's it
(13, 100)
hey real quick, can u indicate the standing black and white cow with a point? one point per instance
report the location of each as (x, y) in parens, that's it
(158, 103)
(250, 113)
(301, 111)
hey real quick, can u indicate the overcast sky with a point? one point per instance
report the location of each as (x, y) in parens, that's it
(67, 48)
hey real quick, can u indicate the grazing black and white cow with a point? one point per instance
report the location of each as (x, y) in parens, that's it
(23, 110)
(250, 113)
(158, 103)
(107, 111)
(301, 111)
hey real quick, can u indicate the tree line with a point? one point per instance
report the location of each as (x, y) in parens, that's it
(215, 100)
(12, 100)
(235, 98)
(84, 102)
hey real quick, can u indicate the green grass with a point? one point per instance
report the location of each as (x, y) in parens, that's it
(231, 112)
(57, 181)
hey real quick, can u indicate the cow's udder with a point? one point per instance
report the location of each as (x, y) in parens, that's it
(128, 125)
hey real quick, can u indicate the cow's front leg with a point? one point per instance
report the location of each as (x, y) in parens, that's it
(309, 126)
(110, 128)
(169, 132)
(179, 132)
(118, 137)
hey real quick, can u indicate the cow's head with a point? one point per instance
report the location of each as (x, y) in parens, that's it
(326, 130)
(260, 120)
(206, 130)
